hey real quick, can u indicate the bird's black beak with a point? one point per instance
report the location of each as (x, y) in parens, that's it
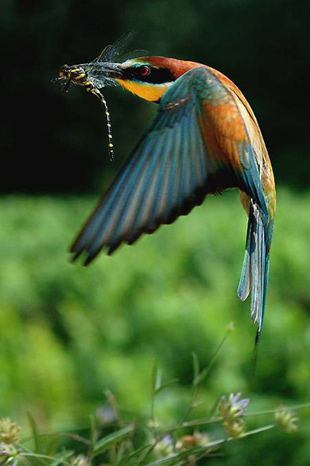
(112, 68)
(107, 70)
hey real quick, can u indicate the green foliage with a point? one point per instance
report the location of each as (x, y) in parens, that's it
(67, 332)
(136, 444)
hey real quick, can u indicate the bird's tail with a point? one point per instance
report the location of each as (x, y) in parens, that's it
(255, 268)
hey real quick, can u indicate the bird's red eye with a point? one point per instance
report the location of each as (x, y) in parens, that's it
(145, 71)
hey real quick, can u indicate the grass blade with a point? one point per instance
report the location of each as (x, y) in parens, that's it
(112, 439)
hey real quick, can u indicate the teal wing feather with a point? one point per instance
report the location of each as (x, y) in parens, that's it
(255, 269)
(166, 176)
(170, 171)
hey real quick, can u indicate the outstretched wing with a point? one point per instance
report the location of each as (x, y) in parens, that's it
(184, 155)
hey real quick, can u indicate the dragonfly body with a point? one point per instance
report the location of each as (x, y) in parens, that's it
(80, 76)
(204, 139)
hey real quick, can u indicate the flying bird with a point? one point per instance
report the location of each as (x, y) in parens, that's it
(204, 139)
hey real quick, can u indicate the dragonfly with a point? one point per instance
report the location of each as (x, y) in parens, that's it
(93, 76)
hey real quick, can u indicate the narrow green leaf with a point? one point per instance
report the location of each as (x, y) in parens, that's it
(42, 458)
(52, 446)
(34, 431)
(93, 433)
(176, 459)
(134, 455)
(166, 384)
(196, 368)
(61, 459)
(111, 439)
(158, 378)
(154, 376)
(201, 377)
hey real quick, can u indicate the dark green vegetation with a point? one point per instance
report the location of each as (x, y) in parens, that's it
(68, 333)
(185, 443)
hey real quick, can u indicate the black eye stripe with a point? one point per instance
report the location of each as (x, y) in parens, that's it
(155, 75)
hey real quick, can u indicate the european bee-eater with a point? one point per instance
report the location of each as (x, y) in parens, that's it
(204, 139)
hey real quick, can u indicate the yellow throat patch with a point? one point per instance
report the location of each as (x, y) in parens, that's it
(147, 91)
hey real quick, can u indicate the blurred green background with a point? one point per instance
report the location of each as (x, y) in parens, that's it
(67, 333)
